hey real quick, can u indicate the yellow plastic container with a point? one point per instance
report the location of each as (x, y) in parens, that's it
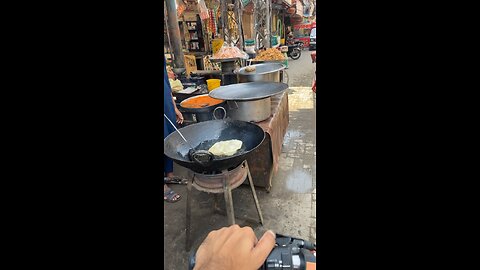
(282, 41)
(212, 84)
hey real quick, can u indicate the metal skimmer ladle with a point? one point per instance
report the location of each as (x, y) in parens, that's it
(200, 156)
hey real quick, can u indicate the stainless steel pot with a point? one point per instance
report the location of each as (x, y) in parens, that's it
(266, 72)
(251, 110)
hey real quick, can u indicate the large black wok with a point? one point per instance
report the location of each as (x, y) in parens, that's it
(204, 134)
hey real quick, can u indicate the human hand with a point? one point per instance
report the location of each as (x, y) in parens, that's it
(179, 116)
(234, 248)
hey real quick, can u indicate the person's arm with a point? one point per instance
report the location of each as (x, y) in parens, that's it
(177, 112)
(174, 103)
(234, 248)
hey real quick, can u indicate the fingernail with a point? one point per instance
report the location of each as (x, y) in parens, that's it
(270, 231)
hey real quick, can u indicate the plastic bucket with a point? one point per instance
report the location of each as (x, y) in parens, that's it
(212, 84)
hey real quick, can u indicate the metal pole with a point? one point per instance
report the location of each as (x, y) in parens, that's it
(239, 11)
(268, 35)
(226, 34)
(174, 33)
(168, 34)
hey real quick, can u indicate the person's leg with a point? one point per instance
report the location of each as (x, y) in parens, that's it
(169, 194)
(168, 162)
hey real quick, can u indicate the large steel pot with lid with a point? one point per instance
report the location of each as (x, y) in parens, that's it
(265, 72)
(251, 101)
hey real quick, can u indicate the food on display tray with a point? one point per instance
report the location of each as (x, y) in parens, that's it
(227, 52)
(270, 54)
(176, 85)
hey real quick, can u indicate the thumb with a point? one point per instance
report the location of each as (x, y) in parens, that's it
(263, 248)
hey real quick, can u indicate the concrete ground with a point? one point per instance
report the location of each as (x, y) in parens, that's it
(288, 209)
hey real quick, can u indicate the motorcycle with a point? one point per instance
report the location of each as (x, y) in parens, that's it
(294, 52)
(295, 41)
(299, 43)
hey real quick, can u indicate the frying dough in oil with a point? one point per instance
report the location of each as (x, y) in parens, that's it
(225, 148)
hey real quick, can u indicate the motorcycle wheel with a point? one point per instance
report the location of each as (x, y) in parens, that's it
(296, 53)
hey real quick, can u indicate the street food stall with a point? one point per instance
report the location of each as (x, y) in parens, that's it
(235, 107)
(230, 82)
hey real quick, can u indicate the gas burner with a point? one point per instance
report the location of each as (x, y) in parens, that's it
(213, 183)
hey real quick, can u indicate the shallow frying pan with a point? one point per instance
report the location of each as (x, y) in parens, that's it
(204, 134)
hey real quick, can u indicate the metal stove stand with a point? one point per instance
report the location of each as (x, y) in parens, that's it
(220, 183)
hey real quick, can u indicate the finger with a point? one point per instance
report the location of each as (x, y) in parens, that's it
(248, 232)
(263, 248)
(245, 236)
(221, 236)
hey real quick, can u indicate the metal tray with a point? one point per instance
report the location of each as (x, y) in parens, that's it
(248, 91)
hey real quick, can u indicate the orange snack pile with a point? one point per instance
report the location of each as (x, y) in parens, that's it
(200, 102)
(269, 55)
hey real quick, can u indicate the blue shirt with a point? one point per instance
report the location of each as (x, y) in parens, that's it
(168, 107)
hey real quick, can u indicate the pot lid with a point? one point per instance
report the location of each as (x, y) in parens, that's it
(248, 91)
(264, 68)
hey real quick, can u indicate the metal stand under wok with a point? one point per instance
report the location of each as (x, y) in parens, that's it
(220, 183)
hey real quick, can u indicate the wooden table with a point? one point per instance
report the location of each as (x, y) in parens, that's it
(263, 161)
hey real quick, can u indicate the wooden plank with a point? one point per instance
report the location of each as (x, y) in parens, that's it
(261, 161)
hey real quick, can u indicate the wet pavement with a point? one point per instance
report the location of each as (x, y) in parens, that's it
(288, 209)
(302, 70)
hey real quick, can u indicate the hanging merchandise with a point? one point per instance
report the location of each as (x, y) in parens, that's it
(215, 20)
(217, 44)
(232, 24)
(181, 6)
(211, 22)
(203, 10)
